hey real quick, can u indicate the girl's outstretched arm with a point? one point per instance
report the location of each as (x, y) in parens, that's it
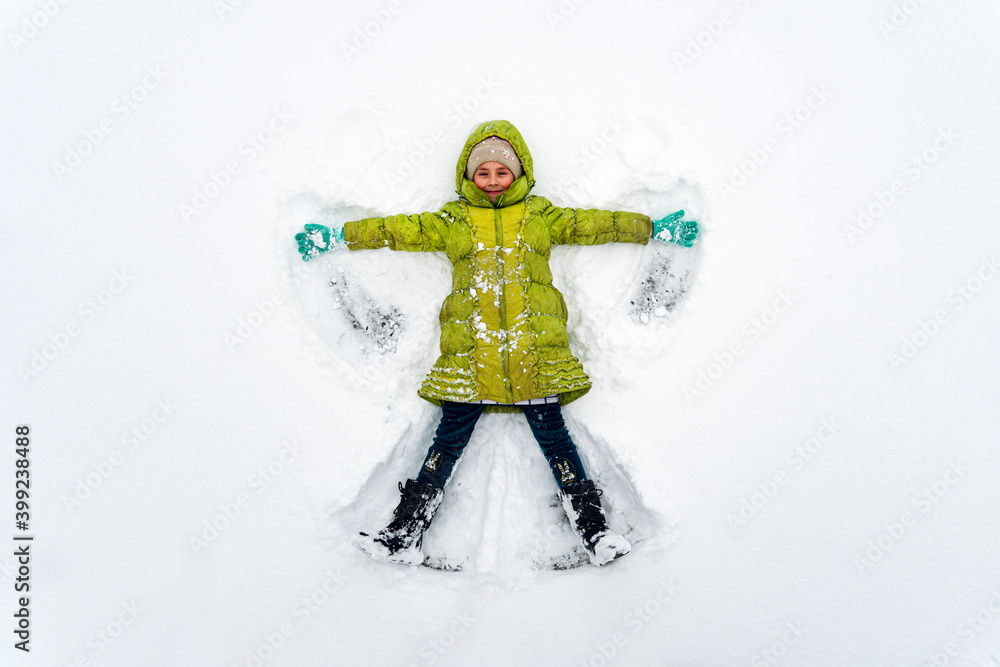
(426, 232)
(421, 232)
(591, 226)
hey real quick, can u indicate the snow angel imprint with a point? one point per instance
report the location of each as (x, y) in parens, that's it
(504, 344)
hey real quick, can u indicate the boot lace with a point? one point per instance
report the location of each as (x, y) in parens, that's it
(590, 517)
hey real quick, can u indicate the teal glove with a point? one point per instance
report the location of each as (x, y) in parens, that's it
(672, 229)
(318, 239)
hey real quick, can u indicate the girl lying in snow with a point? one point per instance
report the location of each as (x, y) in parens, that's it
(504, 345)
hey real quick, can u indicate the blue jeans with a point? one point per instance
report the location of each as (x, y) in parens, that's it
(455, 429)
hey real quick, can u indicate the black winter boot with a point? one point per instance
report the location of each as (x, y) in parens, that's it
(399, 542)
(582, 502)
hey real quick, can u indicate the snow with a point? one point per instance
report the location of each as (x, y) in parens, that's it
(803, 445)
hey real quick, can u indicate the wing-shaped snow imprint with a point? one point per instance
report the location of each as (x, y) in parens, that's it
(379, 328)
(500, 518)
(662, 283)
(371, 314)
(665, 273)
(375, 315)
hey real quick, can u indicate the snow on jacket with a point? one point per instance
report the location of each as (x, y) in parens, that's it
(503, 327)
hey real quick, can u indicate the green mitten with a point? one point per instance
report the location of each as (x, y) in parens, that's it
(318, 239)
(672, 229)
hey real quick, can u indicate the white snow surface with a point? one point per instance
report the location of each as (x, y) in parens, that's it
(803, 452)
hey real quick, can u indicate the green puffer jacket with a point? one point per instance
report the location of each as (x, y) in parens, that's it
(503, 327)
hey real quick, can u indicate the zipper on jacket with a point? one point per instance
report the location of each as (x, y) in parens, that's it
(502, 295)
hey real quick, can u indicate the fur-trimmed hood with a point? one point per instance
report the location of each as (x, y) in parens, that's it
(519, 189)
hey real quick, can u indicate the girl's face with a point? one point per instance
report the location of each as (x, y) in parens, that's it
(493, 178)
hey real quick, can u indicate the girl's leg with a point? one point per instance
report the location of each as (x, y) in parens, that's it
(453, 433)
(549, 429)
(580, 496)
(399, 542)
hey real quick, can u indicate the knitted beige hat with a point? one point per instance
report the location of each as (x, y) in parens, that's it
(493, 149)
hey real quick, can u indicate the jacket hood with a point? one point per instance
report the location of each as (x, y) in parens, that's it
(519, 189)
